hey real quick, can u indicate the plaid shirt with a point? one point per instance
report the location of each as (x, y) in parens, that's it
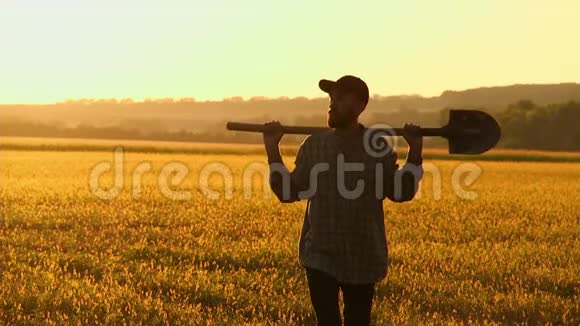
(345, 183)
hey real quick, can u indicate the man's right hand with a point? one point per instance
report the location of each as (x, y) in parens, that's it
(273, 133)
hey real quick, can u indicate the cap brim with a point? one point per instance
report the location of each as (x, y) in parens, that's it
(326, 85)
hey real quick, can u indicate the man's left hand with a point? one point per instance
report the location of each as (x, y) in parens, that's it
(412, 135)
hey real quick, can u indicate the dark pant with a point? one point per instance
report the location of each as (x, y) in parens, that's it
(357, 299)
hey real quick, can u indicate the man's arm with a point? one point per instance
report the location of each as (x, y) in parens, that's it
(401, 184)
(284, 184)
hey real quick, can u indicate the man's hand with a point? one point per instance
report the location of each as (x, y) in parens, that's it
(412, 135)
(272, 134)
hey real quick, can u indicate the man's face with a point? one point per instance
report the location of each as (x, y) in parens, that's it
(344, 109)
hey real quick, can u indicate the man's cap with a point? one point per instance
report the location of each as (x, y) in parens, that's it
(346, 84)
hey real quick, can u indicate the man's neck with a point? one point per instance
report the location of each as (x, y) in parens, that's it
(348, 132)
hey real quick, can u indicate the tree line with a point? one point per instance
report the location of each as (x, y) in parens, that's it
(547, 127)
(525, 125)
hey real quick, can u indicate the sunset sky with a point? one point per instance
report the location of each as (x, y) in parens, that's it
(60, 49)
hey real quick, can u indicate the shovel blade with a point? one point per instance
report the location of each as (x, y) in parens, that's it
(471, 132)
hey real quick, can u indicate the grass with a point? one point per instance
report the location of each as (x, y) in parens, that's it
(511, 256)
(142, 146)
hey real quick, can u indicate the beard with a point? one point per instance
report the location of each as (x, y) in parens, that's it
(338, 120)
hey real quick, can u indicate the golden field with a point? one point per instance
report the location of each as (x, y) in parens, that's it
(511, 255)
(145, 146)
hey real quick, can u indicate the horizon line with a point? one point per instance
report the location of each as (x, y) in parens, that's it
(191, 99)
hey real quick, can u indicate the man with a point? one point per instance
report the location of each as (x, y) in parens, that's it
(343, 243)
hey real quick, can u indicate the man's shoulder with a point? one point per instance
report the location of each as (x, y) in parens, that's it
(313, 145)
(378, 146)
(317, 138)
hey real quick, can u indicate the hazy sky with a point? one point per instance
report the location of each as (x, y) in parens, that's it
(59, 49)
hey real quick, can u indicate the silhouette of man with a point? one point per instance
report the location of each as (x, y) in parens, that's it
(343, 242)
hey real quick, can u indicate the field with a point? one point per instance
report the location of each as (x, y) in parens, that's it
(503, 250)
(141, 146)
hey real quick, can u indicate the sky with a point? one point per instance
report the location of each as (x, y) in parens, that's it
(55, 50)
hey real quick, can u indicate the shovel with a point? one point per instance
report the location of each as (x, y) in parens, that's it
(468, 131)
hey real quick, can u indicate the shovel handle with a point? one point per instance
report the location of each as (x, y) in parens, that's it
(253, 127)
(305, 130)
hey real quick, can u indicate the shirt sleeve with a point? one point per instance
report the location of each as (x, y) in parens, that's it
(288, 185)
(301, 173)
(400, 184)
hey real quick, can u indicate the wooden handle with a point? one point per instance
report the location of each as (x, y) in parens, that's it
(253, 127)
(304, 130)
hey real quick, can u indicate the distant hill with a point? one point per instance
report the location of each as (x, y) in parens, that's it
(500, 96)
(492, 98)
(175, 115)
